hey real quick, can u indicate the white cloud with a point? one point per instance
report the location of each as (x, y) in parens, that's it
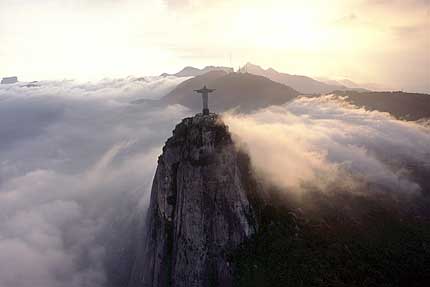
(326, 142)
(74, 157)
(77, 161)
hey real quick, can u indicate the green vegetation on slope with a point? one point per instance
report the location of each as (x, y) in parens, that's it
(408, 106)
(336, 240)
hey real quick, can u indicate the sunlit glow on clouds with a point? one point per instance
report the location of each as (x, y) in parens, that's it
(363, 40)
(77, 161)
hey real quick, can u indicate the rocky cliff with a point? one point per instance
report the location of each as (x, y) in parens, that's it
(199, 209)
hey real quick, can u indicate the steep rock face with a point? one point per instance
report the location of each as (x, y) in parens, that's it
(199, 210)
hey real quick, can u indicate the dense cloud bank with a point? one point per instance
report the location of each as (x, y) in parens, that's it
(77, 158)
(73, 157)
(328, 144)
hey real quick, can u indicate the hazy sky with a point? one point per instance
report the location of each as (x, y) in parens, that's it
(381, 41)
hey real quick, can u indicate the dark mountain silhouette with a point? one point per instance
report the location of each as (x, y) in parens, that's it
(246, 92)
(408, 106)
(303, 84)
(192, 72)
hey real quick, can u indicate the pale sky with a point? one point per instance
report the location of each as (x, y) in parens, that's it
(378, 41)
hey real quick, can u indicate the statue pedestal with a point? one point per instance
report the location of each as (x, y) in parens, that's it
(205, 112)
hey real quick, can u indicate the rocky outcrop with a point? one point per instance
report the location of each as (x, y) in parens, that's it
(199, 210)
(9, 80)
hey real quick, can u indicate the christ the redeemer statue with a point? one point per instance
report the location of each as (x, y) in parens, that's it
(205, 92)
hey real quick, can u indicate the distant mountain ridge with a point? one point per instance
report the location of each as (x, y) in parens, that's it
(300, 83)
(361, 87)
(406, 106)
(253, 88)
(193, 72)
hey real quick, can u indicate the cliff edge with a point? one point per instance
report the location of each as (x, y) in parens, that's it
(199, 209)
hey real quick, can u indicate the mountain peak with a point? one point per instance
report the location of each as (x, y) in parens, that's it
(199, 209)
(258, 70)
(300, 83)
(249, 64)
(190, 71)
(250, 68)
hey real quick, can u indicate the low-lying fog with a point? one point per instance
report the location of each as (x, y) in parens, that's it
(75, 155)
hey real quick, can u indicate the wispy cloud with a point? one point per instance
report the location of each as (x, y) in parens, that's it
(77, 161)
(74, 158)
(329, 144)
